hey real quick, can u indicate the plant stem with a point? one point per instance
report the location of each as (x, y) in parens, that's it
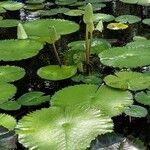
(56, 54)
(87, 45)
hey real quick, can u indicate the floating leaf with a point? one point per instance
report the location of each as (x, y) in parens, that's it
(11, 73)
(117, 26)
(103, 17)
(111, 101)
(136, 111)
(7, 121)
(140, 2)
(128, 80)
(74, 12)
(126, 57)
(7, 91)
(8, 23)
(54, 72)
(146, 21)
(139, 44)
(58, 129)
(139, 38)
(10, 106)
(143, 98)
(33, 98)
(128, 19)
(35, 30)
(11, 50)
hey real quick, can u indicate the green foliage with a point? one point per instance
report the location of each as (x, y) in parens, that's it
(33, 98)
(62, 129)
(8, 23)
(7, 121)
(54, 72)
(21, 33)
(146, 21)
(117, 26)
(139, 2)
(104, 17)
(111, 101)
(74, 12)
(136, 111)
(128, 80)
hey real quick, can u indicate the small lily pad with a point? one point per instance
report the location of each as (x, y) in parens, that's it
(33, 98)
(136, 111)
(104, 17)
(11, 73)
(74, 12)
(117, 26)
(139, 2)
(143, 98)
(128, 80)
(54, 72)
(7, 121)
(146, 21)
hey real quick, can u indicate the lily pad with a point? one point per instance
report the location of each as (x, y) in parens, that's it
(126, 57)
(54, 72)
(2, 10)
(139, 44)
(128, 80)
(33, 98)
(7, 91)
(7, 121)
(139, 38)
(12, 50)
(63, 27)
(10, 106)
(58, 129)
(117, 26)
(143, 98)
(11, 73)
(111, 101)
(8, 23)
(130, 19)
(104, 17)
(136, 111)
(74, 12)
(146, 21)
(139, 2)
(65, 2)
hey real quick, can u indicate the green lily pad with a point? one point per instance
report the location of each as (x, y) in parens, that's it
(2, 10)
(139, 38)
(104, 17)
(125, 57)
(34, 7)
(8, 23)
(128, 80)
(7, 91)
(110, 101)
(7, 121)
(65, 2)
(130, 19)
(35, 1)
(10, 106)
(143, 98)
(34, 29)
(117, 26)
(58, 129)
(54, 72)
(12, 50)
(146, 21)
(33, 98)
(139, 2)
(139, 44)
(136, 111)
(74, 12)
(11, 73)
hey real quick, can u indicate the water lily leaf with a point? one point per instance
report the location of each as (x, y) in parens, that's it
(65, 2)
(140, 2)
(139, 38)
(7, 121)
(35, 28)
(136, 111)
(128, 80)
(54, 72)
(139, 44)
(8, 23)
(143, 98)
(34, 7)
(33, 98)
(74, 12)
(111, 101)
(10, 106)
(98, 45)
(124, 57)
(35, 1)
(58, 129)
(7, 91)
(11, 73)
(104, 17)
(146, 21)
(12, 50)
(128, 19)
(2, 10)
(117, 26)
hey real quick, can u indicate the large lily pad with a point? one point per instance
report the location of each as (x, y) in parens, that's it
(7, 91)
(58, 129)
(11, 50)
(143, 98)
(11, 73)
(55, 72)
(40, 28)
(111, 101)
(139, 44)
(7, 121)
(140, 2)
(124, 57)
(128, 80)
